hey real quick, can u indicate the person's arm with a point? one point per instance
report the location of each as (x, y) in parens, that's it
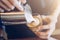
(52, 19)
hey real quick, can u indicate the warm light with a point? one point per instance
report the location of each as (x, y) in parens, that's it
(57, 10)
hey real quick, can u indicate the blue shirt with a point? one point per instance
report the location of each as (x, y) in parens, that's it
(19, 31)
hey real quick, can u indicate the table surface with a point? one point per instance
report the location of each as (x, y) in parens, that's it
(36, 38)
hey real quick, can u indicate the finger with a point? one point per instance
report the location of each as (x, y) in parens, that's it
(44, 30)
(3, 6)
(8, 4)
(46, 27)
(23, 1)
(17, 4)
(42, 35)
(1, 10)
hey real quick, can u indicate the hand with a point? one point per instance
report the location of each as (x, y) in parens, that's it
(46, 30)
(11, 4)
